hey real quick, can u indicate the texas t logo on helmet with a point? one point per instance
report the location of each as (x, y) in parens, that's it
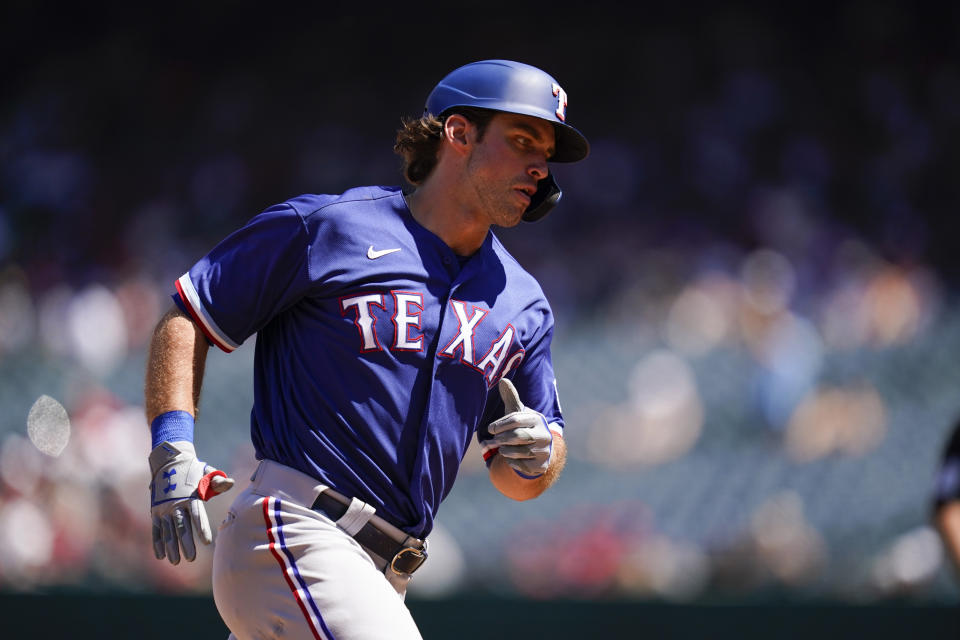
(561, 101)
(515, 87)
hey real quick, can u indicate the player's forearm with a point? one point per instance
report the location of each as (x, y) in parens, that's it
(514, 486)
(175, 364)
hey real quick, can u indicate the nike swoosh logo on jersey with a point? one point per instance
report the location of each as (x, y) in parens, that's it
(373, 254)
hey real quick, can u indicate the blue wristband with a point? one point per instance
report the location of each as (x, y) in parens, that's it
(172, 426)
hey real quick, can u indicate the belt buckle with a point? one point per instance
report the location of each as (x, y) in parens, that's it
(419, 557)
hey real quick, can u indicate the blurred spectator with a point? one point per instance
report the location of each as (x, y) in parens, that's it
(909, 564)
(660, 421)
(778, 546)
(847, 421)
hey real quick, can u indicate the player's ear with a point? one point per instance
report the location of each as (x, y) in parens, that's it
(459, 132)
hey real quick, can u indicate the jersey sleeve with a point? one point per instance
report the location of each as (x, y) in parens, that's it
(536, 385)
(252, 275)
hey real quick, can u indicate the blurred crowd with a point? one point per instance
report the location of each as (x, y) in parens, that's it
(74, 512)
(748, 276)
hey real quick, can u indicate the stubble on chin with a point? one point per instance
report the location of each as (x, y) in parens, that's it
(498, 207)
(510, 220)
(503, 213)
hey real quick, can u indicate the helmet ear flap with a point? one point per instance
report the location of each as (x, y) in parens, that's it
(547, 196)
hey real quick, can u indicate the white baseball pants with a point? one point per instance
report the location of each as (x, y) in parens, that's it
(282, 570)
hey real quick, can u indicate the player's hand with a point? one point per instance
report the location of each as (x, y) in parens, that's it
(522, 435)
(180, 484)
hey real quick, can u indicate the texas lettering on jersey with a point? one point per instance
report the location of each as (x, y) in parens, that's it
(493, 358)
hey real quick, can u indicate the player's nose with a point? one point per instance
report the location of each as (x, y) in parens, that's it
(538, 169)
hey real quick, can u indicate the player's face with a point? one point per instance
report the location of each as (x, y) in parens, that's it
(506, 164)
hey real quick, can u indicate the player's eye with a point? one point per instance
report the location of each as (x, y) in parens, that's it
(524, 141)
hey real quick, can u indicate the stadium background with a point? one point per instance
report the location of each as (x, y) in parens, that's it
(754, 276)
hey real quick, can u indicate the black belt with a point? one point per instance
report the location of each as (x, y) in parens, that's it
(400, 557)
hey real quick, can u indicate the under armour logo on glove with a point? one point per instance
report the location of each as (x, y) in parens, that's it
(522, 435)
(170, 486)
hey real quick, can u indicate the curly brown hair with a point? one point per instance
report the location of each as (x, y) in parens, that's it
(418, 140)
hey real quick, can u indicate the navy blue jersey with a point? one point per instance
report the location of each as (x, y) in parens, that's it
(378, 350)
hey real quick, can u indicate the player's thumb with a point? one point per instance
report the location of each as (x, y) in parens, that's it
(511, 399)
(213, 483)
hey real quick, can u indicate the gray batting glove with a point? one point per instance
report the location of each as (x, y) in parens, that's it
(180, 485)
(522, 435)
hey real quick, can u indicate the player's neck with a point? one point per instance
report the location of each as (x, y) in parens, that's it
(452, 221)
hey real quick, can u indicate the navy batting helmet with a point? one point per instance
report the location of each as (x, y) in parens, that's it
(504, 85)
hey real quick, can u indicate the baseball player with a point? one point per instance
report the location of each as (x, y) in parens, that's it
(391, 328)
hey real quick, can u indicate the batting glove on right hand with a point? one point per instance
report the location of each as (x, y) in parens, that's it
(522, 435)
(180, 483)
